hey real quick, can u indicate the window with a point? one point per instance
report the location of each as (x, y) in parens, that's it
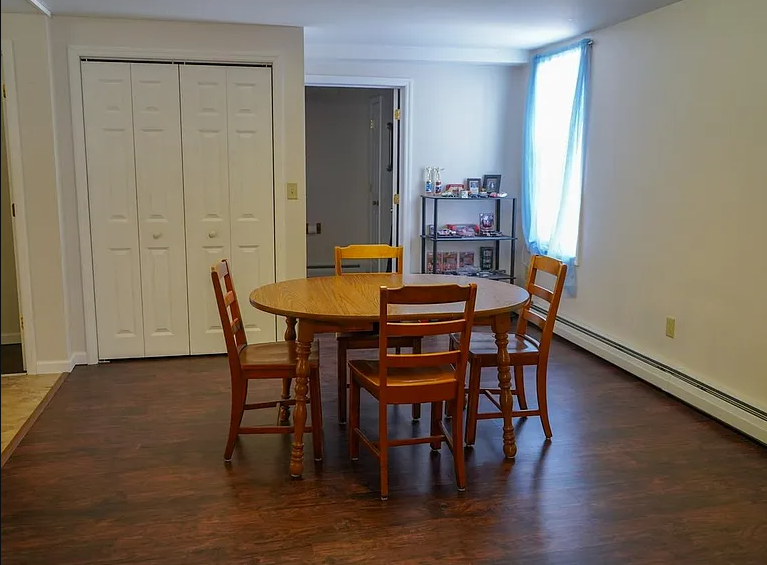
(553, 157)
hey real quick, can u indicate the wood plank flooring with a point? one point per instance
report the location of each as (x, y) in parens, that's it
(125, 466)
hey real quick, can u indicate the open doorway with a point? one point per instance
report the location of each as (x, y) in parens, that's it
(11, 349)
(352, 149)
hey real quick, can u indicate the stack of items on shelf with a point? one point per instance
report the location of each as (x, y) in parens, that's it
(462, 263)
(485, 228)
(489, 186)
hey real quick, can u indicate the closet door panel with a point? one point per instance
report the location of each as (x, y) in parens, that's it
(160, 188)
(206, 196)
(251, 190)
(108, 120)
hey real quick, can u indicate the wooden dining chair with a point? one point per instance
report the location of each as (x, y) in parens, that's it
(434, 377)
(260, 361)
(524, 350)
(368, 337)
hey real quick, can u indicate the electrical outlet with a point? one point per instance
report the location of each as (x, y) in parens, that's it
(670, 326)
(292, 191)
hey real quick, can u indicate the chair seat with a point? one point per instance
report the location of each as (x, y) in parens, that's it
(367, 374)
(280, 354)
(484, 344)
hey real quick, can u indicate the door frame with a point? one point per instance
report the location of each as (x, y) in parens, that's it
(374, 216)
(75, 54)
(16, 179)
(401, 212)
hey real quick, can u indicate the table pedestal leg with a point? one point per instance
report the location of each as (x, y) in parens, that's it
(501, 327)
(290, 335)
(303, 348)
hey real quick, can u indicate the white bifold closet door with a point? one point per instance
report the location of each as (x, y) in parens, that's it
(229, 193)
(136, 196)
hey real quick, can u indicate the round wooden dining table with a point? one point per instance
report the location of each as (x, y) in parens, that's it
(348, 302)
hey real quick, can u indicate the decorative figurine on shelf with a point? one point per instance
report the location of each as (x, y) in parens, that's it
(437, 180)
(427, 181)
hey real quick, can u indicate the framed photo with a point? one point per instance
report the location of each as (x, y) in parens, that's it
(449, 261)
(492, 183)
(466, 259)
(429, 260)
(486, 256)
(486, 222)
(474, 186)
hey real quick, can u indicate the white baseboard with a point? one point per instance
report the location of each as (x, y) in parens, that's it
(10, 338)
(64, 366)
(727, 412)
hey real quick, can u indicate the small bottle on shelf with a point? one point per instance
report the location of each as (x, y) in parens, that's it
(427, 181)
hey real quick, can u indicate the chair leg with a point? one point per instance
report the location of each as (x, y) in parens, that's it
(315, 396)
(416, 410)
(460, 463)
(436, 418)
(284, 416)
(475, 375)
(519, 386)
(354, 420)
(342, 382)
(235, 417)
(383, 447)
(540, 389)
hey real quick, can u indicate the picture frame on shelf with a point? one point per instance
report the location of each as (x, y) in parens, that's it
(486, 222)
(466, 259)
(486, 256)
(474, 185)
(492, 183)
(449, 261)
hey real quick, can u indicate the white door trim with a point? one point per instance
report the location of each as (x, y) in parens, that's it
(406, 103)
(75, 54)
(16, 176)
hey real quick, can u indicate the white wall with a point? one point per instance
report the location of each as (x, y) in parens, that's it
(337, 167)
(30, 37)
(460, 115)
(9, 309)
(675, 192)
(219, 39)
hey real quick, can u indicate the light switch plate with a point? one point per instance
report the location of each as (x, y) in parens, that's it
(292, 191)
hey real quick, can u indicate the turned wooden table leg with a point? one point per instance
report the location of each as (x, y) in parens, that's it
(501, 327)
(303, 348)
(290, 335)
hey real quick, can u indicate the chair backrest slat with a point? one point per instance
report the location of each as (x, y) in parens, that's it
(541, 292)
(374, 251)
(229, 313)
(542, 264)
(426, 359)
(419, 329)
(425, 295)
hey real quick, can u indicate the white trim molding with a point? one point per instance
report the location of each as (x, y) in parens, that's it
(75, 54)
(10, 338)
(18, 194)
(415, 53)
(62, 366)
(750, 420)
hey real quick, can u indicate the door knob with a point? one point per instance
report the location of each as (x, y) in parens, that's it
(212, 234)
(156, 235)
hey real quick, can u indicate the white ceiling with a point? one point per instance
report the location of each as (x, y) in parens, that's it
(505, 24)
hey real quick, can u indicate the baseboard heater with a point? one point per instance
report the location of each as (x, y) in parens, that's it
(728, 399)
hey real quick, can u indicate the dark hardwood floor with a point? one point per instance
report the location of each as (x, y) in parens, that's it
(125, 466)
